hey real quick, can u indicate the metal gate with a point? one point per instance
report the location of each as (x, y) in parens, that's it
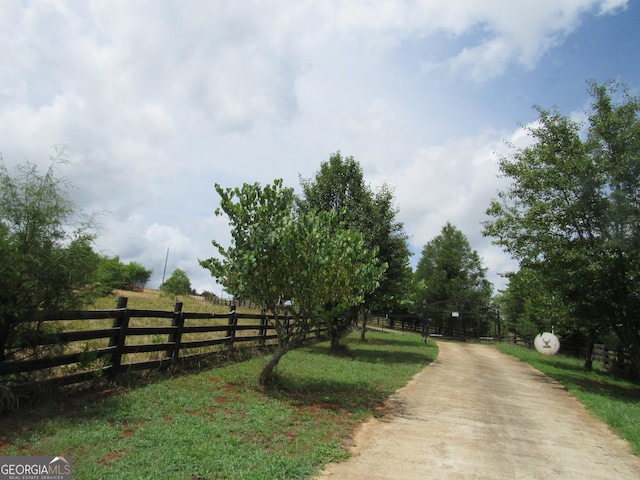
(479, 321)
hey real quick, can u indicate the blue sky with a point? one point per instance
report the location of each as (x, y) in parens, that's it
(158, 100)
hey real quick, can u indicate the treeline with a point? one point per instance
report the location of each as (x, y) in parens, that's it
(571, 217)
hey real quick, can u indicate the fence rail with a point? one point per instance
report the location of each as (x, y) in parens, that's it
(134, 340)
(452, 328)
(611, 358)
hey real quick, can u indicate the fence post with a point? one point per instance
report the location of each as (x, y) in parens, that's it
(119, 335)
(605, 357)
(263, 328)
(175, 337)
(233, 323)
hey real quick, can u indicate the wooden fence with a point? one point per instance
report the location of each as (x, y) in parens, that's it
(610, 358)
(415, 323)
(107, 342)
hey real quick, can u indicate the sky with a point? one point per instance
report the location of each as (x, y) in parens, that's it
(156, 101)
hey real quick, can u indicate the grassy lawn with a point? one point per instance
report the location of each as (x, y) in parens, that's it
(218, 423)
(615, 401)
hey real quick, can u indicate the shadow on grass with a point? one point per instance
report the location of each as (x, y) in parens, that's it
(104, 399)
(59, 407)
(570, 373)
(373, 356)
(366, 352)
(599, 386)
(327, 394)
(558, 363)
(396, 341)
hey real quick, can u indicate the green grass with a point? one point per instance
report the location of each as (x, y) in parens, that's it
(615, 401)
(218, 423)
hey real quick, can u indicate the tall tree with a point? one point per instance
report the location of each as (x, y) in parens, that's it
(572, 212)
(339, 186)
(450, 272)
(177, 284)
(46, 249)
(528, 307)
(292, 264)
(113, 274)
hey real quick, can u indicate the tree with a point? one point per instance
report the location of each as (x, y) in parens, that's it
(449, 272)
(136, 276)
(290, 263)
(572, 212)
(113, 274)
(528, 307)
(46, 249)
(177, 284)
(339, 187)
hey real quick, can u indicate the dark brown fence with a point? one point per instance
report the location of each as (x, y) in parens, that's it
(612, 359)
(79, 346)
(452, 328)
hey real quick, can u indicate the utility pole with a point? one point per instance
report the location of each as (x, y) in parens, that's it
(165, 266)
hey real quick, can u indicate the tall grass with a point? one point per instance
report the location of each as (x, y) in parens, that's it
(155, 300)
(219, 423)
(615, 401)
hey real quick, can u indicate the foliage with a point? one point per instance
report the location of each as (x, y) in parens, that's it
(46, 247)
(209, 296)
(572, 212)
(177, 284)
(528, 307)
(339, 187)
(290, 263)
(451, 273)
(112, 274)
(291, 432)
(246, 268)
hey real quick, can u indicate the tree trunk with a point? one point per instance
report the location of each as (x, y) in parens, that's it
(629, 339)
(588, 359)
(365, 320)
(634, 358)
(5, 330)
(268, 371)
(334, 337)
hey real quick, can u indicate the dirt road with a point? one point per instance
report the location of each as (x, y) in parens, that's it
(475, 413)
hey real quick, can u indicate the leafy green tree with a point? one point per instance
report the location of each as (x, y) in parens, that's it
(46, 246)
(572, 212)
(450, 272)
(177, 284)
(113, 274)
(136, 276)
(529, 308)
(109, 274)
(339, 187)
(292, 264)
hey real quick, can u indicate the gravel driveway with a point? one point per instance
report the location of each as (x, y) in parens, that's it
(475, 413)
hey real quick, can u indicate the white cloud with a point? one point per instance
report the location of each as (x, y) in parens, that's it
(159, 100)
(454, 182)
(508, 31)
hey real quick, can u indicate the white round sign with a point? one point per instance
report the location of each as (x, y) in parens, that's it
(547, 343)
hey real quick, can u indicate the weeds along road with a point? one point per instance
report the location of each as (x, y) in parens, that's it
(475, 413)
